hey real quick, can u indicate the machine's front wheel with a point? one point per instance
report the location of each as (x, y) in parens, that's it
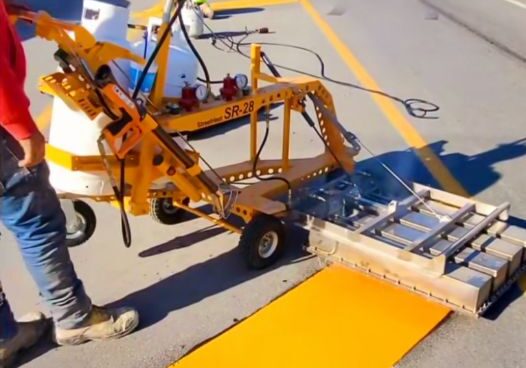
(85, 224)
(164, 211)
(262, 241)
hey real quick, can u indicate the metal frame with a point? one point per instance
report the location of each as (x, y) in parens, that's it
(465, 284)
(190, 180)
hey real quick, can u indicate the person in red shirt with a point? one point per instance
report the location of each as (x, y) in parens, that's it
(31, 210)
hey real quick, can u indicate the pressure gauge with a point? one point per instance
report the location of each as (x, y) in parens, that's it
(241, 81)
(201, 92)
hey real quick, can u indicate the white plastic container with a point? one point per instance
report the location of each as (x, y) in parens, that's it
(193, 19)
(106, 21)
(109, 23)
(182, 63)
(72, 131)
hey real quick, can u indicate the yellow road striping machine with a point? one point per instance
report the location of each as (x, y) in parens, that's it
(455, 250)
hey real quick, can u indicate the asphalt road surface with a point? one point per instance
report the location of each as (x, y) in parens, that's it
(189, 281)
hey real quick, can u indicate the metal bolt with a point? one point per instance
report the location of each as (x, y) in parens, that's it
(157, 160)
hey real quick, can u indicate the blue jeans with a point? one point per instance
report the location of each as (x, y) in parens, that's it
(31, 210)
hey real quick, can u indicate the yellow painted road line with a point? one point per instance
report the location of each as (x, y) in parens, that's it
(388, 108)
(338, 318)
(218, 6)
(240, 4)
(155, 10)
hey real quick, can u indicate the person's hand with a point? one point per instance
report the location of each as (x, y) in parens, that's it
(34, 150)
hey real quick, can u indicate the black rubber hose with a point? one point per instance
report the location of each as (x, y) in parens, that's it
(415, 107)
(125, 224)
(158, 48)
(195, 52)
(211, 82)
(270, 65)
(256, 159)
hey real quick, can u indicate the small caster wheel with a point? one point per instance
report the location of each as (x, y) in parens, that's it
(262, 241)
(84, 226)
(165, 212)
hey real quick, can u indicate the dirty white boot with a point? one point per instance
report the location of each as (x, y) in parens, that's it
(102, 324)
(31, 328)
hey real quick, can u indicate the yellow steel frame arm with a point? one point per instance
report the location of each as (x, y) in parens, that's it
(83, 46)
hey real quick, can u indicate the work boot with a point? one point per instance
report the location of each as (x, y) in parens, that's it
(31, 328)
(102, 324)
(207, 10)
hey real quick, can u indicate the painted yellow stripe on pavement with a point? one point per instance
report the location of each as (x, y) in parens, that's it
(155, 10)
(338, 318)
(240, 4)
(218, 6)
(388, 108)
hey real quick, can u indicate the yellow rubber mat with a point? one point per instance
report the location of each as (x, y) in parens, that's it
(337, 318)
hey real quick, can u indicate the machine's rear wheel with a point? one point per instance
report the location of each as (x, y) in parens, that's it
(262, 241)
(165, 212)
(86, 222)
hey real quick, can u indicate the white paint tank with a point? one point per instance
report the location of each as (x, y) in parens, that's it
(182, 63)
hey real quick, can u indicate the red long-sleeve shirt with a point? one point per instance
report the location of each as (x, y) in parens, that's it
(15, 117)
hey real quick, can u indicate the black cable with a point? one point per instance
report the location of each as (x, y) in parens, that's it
(195, 52)
(120, 192)
(125, 224)
(160, 43)
(211, 82)
(256, 159)
(415, 107)
(310, 122)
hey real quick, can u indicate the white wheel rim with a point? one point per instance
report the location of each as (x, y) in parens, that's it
(268, 244)
(79, 229)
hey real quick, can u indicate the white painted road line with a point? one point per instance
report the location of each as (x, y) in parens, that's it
(517, 3)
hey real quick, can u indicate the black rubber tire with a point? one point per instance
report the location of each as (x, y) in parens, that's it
(87, 215)
(165, 212)
(253, 234)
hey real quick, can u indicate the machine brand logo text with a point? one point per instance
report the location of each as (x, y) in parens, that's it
(216, 120)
